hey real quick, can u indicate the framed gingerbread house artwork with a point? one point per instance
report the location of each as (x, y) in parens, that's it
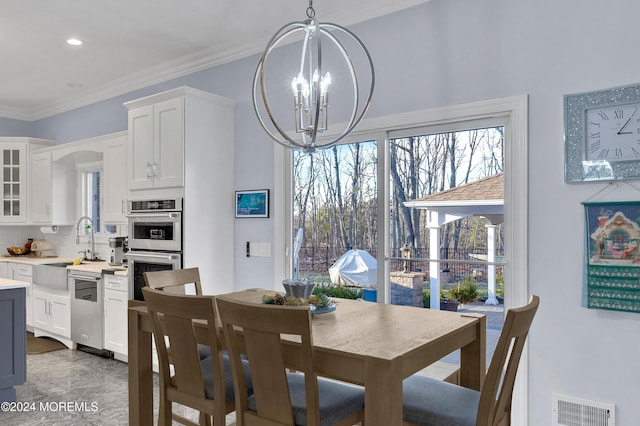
(612, 275)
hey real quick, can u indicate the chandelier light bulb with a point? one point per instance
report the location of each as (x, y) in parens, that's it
(325, 84)
(300, 86)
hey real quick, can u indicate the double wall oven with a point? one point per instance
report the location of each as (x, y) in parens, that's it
(155, 239)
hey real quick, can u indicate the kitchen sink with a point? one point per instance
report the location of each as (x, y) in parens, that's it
(51, 275)
(56, 265)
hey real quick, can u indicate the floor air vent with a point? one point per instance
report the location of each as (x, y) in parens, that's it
(569, 411)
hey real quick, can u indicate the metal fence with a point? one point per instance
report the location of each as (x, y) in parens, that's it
(454, 264)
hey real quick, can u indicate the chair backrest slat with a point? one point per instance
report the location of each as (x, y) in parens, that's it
(184, 355)
(497, 390)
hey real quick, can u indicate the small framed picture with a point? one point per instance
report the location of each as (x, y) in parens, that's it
(252, 203)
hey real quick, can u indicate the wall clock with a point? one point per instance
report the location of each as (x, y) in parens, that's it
(602, 135)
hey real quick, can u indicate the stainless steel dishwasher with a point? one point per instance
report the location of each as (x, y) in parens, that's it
(87, 297)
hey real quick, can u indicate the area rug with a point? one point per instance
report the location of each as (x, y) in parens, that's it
(40, 345)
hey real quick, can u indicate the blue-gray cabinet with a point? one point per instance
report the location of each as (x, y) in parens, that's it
(13, 345)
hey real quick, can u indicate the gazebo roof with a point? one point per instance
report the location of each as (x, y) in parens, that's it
(484, 197)
(489, 190)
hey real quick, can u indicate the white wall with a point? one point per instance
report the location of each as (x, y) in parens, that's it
(449, 52)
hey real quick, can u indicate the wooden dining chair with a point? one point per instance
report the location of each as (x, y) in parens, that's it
(282, 397)
(428, 401)
(175, 281)
(205, 385)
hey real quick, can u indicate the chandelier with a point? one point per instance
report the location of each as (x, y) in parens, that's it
(346, 69)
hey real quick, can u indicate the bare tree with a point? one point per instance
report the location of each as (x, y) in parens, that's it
(401, 186)
(336, 190)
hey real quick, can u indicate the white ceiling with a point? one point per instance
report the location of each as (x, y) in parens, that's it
(129, 44)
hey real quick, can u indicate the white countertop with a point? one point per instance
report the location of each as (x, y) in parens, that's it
(6, 284)
(34, 260)
(98, 267)
(86, 266)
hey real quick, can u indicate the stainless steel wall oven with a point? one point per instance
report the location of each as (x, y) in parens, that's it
(155, 239)
(143, 261)
(155, 225)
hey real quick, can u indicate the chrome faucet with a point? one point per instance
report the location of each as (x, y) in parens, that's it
(93, 243)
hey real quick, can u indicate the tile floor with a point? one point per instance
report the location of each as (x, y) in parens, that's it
(74, 388)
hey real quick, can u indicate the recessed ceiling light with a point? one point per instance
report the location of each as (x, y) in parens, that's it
(74, 42)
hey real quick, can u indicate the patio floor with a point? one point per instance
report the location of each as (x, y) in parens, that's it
(495, 319)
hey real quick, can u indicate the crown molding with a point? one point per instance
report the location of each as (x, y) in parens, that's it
(180, 67)
(186, 65)
(15, 113)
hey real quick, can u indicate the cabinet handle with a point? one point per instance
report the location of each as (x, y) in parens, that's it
(148, 170)
(123, 207)
(155, 169)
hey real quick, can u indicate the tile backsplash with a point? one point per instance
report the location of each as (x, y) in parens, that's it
(64, 240)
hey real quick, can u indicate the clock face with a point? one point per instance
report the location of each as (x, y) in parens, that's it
(613, 133)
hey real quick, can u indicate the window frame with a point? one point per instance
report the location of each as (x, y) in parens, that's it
(512, 113)
(82, 169)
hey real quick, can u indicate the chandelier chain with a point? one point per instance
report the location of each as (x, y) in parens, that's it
(311, 12)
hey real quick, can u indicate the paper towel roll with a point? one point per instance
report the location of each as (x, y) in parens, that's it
(49, 229)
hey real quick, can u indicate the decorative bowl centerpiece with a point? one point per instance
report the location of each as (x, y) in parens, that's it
(299, 293)
(17, 251)
(298, 288)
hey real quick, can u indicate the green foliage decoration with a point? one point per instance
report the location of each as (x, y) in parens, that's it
(334, 290)
(466, 291)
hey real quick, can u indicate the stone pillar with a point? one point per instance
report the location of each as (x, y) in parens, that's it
(407, 288)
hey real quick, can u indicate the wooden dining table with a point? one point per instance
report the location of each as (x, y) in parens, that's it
(371, 344)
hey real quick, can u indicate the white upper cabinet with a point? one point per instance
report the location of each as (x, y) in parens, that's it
(14, 155)
(156, 142)
(40, 193)
(14, 179)
(114, 207)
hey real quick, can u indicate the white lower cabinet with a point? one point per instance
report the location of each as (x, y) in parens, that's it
(52, 314)
(116, 297)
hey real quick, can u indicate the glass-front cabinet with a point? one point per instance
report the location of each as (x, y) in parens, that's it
(13, 182)
(14, 154)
